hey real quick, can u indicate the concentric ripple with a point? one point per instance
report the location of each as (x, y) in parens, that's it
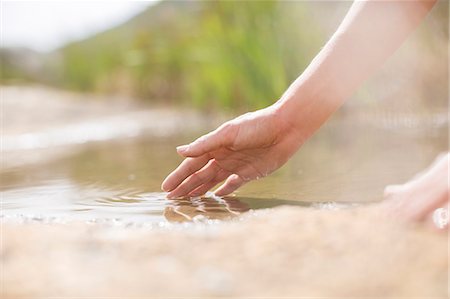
(62, 201)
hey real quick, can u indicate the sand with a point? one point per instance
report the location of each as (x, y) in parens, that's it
(283, 252)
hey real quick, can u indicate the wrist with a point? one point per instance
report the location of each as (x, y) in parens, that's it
(304, 107)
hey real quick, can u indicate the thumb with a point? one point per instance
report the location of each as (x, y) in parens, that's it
(205, 144)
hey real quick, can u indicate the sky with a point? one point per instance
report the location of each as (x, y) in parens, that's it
(46, 25)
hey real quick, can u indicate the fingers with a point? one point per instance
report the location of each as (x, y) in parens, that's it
(233, 182)
(236, 180)
(207, 143)
(221, 175)
(195, 180)
(185, 169)
(204, 180)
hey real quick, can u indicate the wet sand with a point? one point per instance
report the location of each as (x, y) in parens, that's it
(283, 252)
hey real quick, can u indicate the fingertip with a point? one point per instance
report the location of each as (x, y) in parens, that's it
(174, 193)
(231, 184)
(189, 152)
(196, 194)
(182, 149)
(223, 192)
(219, 193)
(201, 145)
(166, 186)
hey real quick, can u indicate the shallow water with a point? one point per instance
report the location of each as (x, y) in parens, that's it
(63, 201)
(348, 161)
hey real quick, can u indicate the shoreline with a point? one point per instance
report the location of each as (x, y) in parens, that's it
(286, 251)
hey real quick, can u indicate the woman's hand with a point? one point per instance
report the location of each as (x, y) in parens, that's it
(257, 143)
(248, 147)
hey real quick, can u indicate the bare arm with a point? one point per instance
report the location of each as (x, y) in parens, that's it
(257, 143)
(370, 33)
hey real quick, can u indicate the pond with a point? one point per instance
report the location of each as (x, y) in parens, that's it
(349, 161)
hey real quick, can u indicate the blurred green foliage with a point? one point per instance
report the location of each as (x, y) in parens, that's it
(228, 54)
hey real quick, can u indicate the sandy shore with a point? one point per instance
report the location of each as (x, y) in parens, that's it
(276, 253)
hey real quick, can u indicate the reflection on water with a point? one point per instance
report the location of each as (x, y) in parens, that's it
(348, 161)
(61, 200)
(182, 210)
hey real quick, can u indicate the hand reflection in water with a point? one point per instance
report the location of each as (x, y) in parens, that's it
(186, 209)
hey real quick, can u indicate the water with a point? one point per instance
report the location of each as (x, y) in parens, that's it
(62, 201)
(118, 180)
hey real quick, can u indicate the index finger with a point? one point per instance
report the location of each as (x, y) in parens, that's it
(212, 141)
(185, 169)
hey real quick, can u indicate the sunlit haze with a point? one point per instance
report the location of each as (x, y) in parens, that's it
(44, 25)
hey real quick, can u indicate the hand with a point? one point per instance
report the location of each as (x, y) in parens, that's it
(248, 147)
(418, 199)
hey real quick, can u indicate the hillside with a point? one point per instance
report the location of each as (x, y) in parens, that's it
(232, 54)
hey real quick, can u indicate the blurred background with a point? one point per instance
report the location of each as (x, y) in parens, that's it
(96, 95)
(235, 55)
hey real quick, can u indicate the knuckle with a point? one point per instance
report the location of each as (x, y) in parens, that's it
(214, 166)
(190, 168)
(225, 126)
(201, 139)
(188, 164)
(228, 129)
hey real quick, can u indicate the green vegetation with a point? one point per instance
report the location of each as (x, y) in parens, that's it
(232, 54)
(228, 54)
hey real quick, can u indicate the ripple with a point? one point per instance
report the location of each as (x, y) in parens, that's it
(60, 201)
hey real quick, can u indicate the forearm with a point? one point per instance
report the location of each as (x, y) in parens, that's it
(369, 34)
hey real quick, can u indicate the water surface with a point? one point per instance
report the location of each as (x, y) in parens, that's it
(348, 161)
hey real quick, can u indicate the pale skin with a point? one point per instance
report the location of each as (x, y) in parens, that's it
(256, 144)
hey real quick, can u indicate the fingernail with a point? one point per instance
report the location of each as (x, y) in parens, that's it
(182, 148)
